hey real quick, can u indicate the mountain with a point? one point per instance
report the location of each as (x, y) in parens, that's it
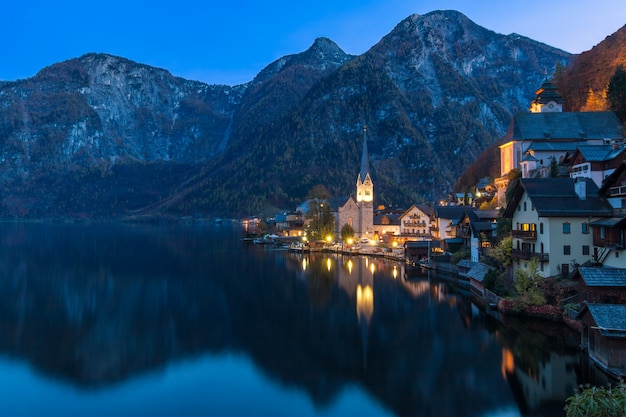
(103, 136)
(591, 71)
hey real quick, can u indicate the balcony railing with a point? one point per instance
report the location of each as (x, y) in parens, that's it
(525, 234)
(526, 254)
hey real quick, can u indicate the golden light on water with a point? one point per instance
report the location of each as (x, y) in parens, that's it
(329, 264)
(364, 302)
(508, 362)
(372, 267)
(395, 272)
(304, 264)
(350, 266)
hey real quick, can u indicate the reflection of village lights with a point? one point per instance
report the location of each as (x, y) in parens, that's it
(372, 267)
(364, 302)
(304, 264)
(395, 272)
(350, 266)
(508, 362)
(329, 264)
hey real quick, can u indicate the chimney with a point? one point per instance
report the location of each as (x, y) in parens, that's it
(580, 187)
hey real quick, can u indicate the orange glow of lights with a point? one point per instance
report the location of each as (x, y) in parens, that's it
(350, 266)
(364, 302)
(372, 267)
(508, 362)
(349, 241)
(395, 272)
(329, 264)
(329, 238)
(304, 264)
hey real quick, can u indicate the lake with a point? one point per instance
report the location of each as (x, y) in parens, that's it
(130, 319)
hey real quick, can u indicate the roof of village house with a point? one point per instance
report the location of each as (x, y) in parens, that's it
(609, 222)
(610, 318)
(603, 277)
(450, 212)
(478, 272)
(392, 219)
(556, 197)
(564, 126)
(599, 153)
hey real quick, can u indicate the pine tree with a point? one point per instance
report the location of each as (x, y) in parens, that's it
(616, 93)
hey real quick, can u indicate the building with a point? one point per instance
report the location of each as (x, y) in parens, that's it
(596, 162)
(546, 133)
(417, 222)
(551, 222)
(478, 230)
(609, 234)
(603, 336)
(601, 285)
(359, 212)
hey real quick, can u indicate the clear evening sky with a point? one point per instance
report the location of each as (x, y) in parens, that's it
(230, 41)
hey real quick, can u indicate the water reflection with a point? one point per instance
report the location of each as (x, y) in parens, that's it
(94, 306)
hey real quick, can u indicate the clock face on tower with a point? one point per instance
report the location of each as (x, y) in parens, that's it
(551, 105)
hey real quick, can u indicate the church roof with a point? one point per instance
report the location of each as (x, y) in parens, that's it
(546, 93)
(556, 126)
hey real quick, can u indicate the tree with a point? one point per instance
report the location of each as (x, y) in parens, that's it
(319, 192)
(502, 253)
(347, 232)
(527, 284)
(616, 93)
(321, 221)
(554, 168)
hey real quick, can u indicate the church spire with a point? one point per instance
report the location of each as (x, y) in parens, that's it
(365, 162)
(364, 185)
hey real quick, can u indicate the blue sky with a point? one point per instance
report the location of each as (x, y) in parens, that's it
(230, 41)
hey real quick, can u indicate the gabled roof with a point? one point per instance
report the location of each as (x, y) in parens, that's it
(599, 153)
(337, 202)
(564, 126)
(556, 197)
(603, 277)
(609, 318)
(393, 218)
(450, 212)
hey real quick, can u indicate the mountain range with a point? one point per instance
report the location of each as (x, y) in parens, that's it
(101, 136)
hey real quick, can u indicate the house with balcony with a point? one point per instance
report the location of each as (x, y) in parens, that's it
(416, 223)
(551, 220)
(446, 226)
(609, 234)
(596, 162)
(478, 230)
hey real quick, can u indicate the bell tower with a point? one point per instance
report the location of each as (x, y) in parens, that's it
(365, 194)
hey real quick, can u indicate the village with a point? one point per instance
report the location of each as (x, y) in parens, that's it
(556, 213)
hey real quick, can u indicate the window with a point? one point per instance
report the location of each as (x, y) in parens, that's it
(585, 228)
(585, 249)
(567, 250)
(566, 228)
(602, 233)
(524, 206)
(541, 228)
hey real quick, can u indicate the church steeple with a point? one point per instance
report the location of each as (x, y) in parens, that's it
(364, 185)
(547, 99)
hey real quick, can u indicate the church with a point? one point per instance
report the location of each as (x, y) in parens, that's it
(357, 212)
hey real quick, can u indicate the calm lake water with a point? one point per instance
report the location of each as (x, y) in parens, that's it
(117, 319)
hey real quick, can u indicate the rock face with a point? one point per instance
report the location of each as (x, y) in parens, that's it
(434, 92)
